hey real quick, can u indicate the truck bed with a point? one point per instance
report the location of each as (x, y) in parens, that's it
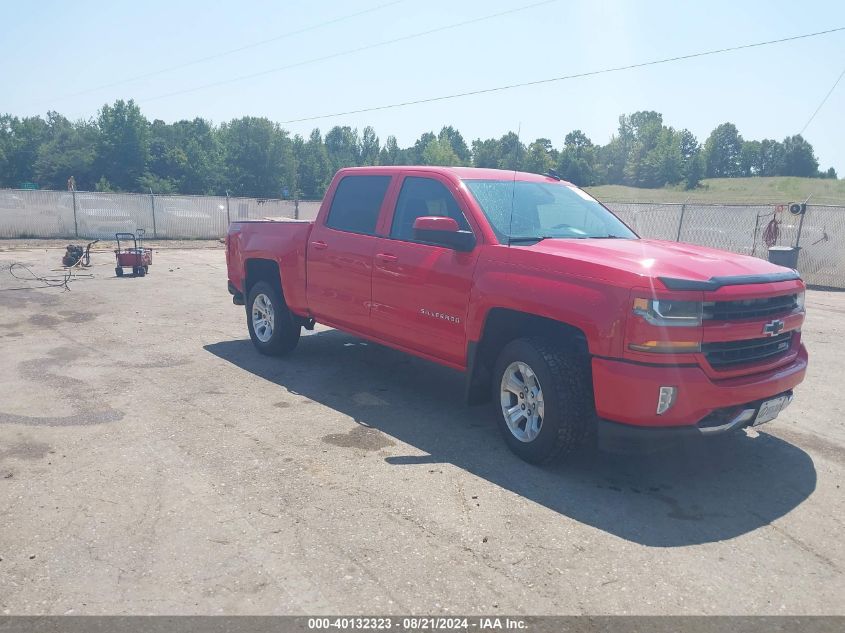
(284, 241)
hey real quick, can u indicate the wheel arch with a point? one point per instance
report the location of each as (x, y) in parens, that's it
(260, 269)
(503, 325)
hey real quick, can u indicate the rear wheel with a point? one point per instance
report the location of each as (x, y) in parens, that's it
(273, 329)
(545, 399)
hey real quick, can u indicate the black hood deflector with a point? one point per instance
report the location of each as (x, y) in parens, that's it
(714, 283)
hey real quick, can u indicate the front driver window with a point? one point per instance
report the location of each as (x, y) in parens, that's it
(421, 197)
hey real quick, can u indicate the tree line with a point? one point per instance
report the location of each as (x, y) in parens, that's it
(121, 150)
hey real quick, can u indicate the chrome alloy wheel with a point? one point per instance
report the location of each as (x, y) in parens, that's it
(522, 401)
(262, 317)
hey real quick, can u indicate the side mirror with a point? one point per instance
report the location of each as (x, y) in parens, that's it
(443, 231)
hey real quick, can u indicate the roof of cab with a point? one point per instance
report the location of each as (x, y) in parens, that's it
(462, 173)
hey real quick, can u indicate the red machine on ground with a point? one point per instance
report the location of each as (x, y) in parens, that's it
(136, 257)
(554, 309)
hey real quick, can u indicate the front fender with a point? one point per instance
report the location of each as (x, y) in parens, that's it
(593, 306)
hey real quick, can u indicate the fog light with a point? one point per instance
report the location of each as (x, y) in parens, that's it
(666, 399)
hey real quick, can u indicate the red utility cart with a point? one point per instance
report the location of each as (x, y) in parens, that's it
(136, 257)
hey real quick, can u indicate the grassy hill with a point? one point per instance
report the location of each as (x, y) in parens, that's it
(779, 189)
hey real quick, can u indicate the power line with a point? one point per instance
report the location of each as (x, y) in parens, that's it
(590, 73)
(351, 51)
(829, 92)
(232, 51)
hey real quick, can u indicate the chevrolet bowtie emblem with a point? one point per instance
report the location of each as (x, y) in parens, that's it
(773, 328)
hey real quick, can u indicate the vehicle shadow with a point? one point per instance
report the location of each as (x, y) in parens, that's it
(697, 493)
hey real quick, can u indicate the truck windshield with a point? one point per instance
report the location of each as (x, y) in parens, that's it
(543, 211)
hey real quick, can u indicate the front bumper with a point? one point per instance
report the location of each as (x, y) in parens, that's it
(626, 392)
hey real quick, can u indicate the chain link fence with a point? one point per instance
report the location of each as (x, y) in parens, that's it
(745, 229)
(66, 214)
(750, 230)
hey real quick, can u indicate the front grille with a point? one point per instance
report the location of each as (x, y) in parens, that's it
(749, 308)
(726, 354)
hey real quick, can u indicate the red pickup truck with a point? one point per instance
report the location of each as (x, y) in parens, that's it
(555, 309)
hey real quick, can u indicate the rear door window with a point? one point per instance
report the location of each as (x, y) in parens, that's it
(357, 203)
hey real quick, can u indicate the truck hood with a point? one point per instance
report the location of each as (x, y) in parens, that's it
(652, 259)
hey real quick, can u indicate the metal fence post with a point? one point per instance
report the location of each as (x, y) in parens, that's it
(754, 239)
(681, 220)
(296, 208)
(153, 207)
(800, 226)
(75, 224)
(228, 213)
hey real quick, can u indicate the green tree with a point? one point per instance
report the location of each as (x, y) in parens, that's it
(343, 147)
(156, 184)
(486, 153)
(200, 144)
(123, 144)
(540, 156)
(369, 147)
(577, 159)
(390, 154)
(771, 158)
(103, 185)
(503, 153)
(19, 143)
(799, 158)
(439, 152)
(414, 154)
(512, 152)
(723, 152)
(456, 143)
(692, 168)
(315, 170)
(750, 158)
(68, 150)
(258, 159)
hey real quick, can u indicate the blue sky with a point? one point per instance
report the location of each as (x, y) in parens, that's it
(52, 50)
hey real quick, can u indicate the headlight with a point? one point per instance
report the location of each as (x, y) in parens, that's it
(669, 313)
(799, 301)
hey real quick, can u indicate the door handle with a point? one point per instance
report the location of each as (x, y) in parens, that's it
(387, 258)
(319, 245)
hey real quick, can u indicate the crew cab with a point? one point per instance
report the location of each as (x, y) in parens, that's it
(556, 311)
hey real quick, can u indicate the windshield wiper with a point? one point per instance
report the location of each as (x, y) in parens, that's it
(609, 237)
(540, 238)
(522, 238)
(526, 238)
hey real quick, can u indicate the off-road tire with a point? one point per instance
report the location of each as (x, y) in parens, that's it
(566, 383)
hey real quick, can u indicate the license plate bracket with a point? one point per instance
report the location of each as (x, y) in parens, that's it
(769, 410)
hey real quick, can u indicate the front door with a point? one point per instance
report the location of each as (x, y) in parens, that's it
(420, 291)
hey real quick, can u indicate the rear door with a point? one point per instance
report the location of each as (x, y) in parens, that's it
(420, 291)
(340, 252)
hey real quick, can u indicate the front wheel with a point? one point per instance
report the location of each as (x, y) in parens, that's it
(545, 399)
(272, 328)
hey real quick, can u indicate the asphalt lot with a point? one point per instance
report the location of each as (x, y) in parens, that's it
(152, 462)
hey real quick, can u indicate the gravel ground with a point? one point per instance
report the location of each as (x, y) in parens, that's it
(152, 462)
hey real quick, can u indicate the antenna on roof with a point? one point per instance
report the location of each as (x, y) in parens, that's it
(513, 186)
(551, 173)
